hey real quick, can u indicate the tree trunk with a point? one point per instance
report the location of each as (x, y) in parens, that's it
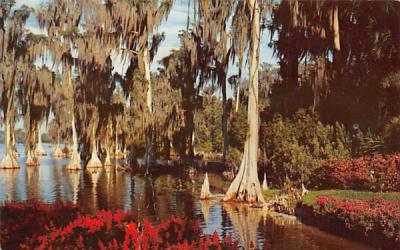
(149, 155)
(193, 142)
(107, 162)
(294, 9)
(237, 98)
(338, 56)
(94, 161)
(147, 76)
(58, 152)
(335, 26)
(13, 143)
(31, 160)
(189, 135)
(224, 117)
(246, 186)
(9, 160)
(319, 80)
(39, 148)
(117, 151)
(75, 161)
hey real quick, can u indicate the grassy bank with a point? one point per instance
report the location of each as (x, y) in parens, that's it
(311, 197)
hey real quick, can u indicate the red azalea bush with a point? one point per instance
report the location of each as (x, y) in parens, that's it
(22, 220)
(34, 225)
(117, 230)
(375, 214)
(375, 173)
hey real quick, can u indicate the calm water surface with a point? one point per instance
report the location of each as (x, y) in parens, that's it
(157, 198)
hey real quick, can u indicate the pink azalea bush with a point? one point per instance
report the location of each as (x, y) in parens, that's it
(375, 214)
(375, 173)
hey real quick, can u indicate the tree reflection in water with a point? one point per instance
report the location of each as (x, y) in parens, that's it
(158, 197)
(245, 221)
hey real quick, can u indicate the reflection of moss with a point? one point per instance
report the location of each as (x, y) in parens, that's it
(183, 183)
(170, 183)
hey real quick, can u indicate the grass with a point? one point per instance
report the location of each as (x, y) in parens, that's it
(311, 197)
(270, 194)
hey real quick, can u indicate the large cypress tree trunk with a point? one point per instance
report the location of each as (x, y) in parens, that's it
(94, 161)
(149, 154)
(9, 160)
(75, 161)
(246, 186)
(39, 151)
(147, 76)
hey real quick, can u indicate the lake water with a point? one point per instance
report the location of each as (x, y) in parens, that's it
(157, 198)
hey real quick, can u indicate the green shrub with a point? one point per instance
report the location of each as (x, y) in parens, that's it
(294, 147)
(391, 135)
(370, 144)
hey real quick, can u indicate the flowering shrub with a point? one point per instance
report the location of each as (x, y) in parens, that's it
(375, 214)
(22, 220)
(65, 228)
(116, 230)
(376, 173)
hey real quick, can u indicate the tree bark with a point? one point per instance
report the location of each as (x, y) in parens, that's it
(237, 98)
(149, 155)
(107, 162)
(9, 160)
(147, 76)
(75, 161)
(94, 161)
(224, 118)
(320, 80)
(58, 152)
(335, 26)
(246, 186)
(39, 151)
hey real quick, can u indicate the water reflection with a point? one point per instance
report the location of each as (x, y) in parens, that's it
(157, 198)
(245, 221)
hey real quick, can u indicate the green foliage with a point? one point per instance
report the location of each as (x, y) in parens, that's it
(234, 157)
(369, 144)
(270, 194)
(208, 125)
(391, 135)
(238, 128)
(294, 147)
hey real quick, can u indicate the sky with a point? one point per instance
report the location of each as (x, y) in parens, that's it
(176, 21)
